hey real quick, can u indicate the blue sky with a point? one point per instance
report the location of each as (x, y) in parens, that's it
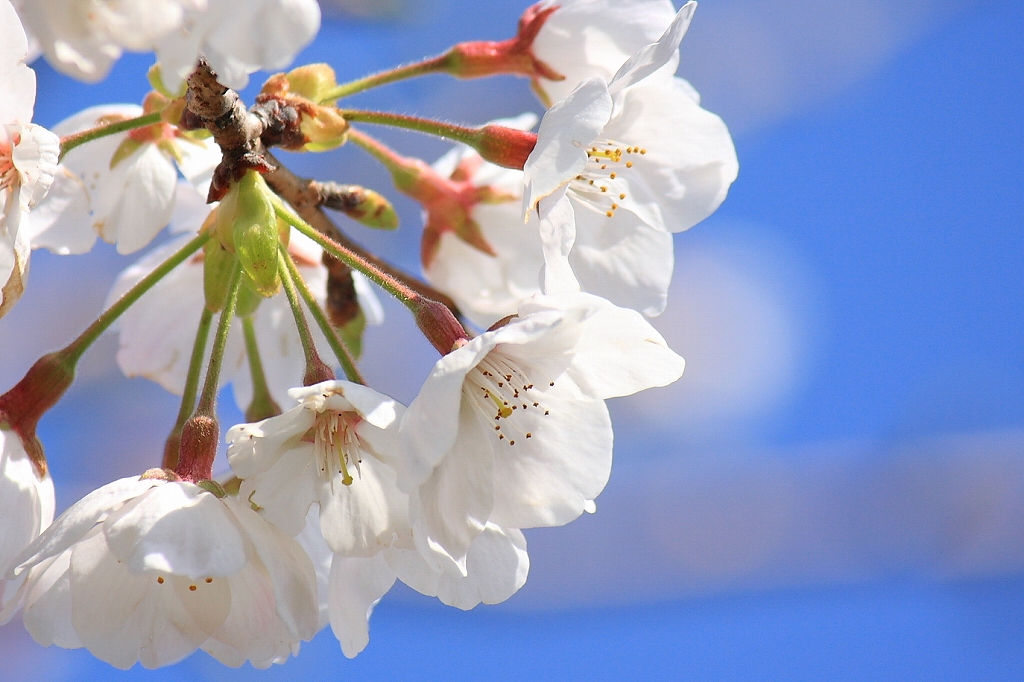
(835, 490)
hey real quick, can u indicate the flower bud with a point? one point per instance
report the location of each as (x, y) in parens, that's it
(360, 204)
(321, 124)
(255, 234)
(507, 147)
(248, 298)
(438, 324)
(513, 56)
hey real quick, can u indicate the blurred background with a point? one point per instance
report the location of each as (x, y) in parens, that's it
(833, 491)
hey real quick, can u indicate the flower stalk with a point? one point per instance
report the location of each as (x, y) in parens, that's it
(341, 351)
(78, 139)
(263, 404)
(188, 395)
(316, 369)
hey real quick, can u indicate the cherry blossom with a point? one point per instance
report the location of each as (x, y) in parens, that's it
(223, 32)
(150, 569)
(336, 452)
(511, 428)
(28, 156)
(26, 506)
(633, 158)
(157, 334)
(592, 38)
(126, 182)
(83, 38)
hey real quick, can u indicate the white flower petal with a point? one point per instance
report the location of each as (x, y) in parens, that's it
(653, 57)
(17, 80)
(47, 614)
(79, 519)
(356, 585)
(360, 519)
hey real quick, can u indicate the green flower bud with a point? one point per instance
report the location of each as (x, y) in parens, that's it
(255, 234)
(248, 298)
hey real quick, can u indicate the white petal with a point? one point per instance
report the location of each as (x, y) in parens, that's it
(122, 618)
(565, 132)
(361, 519)
(623, 259)
(177, 528)
(592, 38)
(312, 540)
(546, 480)
(26, 503)
(17, 80)
(652, 57)
(290, 570)
(356, 585)
(255, 448)
(80, 517)
(452, 506)
(47, 614)
(35, 158)
(60, 222)
(557, 234)
(286, 490)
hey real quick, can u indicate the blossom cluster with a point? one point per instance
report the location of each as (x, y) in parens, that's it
(543, 254)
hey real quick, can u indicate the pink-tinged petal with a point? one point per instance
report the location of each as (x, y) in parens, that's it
(565, 132)
(176, 528)
(35, 158)
(79, 518)
(623, 259)
(47, 614)
(653, 57)
(362, 518)
(451, 507)
(17, 80)
(356, 585)
(290, 570)
(122, 617)
(14, 255)
(592, 38)
(690, 161)
(547, 478)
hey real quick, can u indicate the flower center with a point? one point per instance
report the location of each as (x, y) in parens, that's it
(9, 176)
(336, 445)
(499, 389)
(602, 183)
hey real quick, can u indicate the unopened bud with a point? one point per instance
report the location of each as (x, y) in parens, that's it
(248, 298)
(360, 204)
(255, 234)
(198, 448)
(507, 147)
(303, 89)
(438, 324)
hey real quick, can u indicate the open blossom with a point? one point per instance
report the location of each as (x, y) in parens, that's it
(157, 334)
(511, 428)
(83, 38)
(150, 569)
(223, 32)
(592, 38)
(627, 161)
(330, 463)
(125, 183)
(28, 156)
(26, 507)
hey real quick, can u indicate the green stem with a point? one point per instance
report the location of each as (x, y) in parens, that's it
(208, 399)
(437, 64)
(73, 352)
(341, 352)
(397, 289)
(449, 131)
(263, 404)
(188, 395)
(305, 336)
(76, 139)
